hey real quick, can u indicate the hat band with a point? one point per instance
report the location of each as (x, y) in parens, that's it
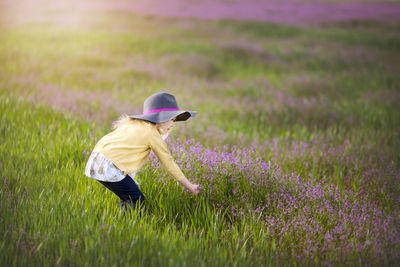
(159, 110)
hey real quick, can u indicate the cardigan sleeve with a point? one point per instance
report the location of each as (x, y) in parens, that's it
(159, 147)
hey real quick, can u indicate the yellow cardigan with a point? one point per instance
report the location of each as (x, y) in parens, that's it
(129, 146)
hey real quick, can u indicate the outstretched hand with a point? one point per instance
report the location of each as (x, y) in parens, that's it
(196, 189)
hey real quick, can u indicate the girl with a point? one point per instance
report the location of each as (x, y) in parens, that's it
(118, 156)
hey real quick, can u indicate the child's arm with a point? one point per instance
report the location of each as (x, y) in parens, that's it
(159, 147)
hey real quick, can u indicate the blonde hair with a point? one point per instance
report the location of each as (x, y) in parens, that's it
(123, 119)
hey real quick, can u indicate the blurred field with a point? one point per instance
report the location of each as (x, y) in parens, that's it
(298, 125)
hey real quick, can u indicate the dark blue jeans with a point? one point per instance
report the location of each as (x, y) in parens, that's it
(128, 192)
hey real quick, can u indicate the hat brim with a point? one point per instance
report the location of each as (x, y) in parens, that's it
(163, 116)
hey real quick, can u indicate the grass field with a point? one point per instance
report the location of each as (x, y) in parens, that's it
(296, 141)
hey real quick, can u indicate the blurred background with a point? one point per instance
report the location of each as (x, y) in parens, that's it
(260, 72)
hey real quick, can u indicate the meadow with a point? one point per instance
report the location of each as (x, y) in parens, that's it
(296, 142)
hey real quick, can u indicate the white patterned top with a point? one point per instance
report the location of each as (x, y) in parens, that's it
(99, 167)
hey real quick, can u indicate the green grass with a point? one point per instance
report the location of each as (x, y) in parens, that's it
(54, 215)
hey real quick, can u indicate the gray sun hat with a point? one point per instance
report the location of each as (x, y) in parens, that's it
(162, 107)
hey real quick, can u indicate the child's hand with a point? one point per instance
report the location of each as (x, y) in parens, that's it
(196, 189)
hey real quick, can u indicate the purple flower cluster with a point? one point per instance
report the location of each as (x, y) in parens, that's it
(367, 170)
(311, 217)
